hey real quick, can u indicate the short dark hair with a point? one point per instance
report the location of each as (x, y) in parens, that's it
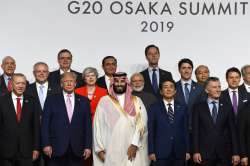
(167, 80)
(108, 57)
(211, 79)
(185, 60)
(151, 46)
(232, 69)
(63, 51)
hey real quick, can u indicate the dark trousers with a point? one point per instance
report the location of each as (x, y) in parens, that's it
(216, 162)
(68, 159)
(170, 162)
(41, 161)
(16, 161)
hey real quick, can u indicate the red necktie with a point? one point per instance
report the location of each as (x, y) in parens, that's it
(9, 86)
(18, 109)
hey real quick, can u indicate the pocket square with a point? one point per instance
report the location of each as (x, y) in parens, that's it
(244, 101)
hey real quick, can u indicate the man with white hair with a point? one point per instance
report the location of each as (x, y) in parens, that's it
(120, 127)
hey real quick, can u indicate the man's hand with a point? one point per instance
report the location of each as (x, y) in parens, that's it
(187, 156)
(152, 157)
(101, 155)
(244, 161)
(35, 155)
(235, 160)
(132, 152)
(48, 151)
(197, 158)
(86, 153)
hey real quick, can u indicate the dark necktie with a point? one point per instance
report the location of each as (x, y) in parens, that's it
(154, 81)
(234, 102)
(214, 112)
(186, 92)
(170, 113)
(9, 85)
(18, 109)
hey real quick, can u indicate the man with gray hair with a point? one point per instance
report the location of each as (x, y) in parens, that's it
(245, 87)
(137, 84)
(9, 67)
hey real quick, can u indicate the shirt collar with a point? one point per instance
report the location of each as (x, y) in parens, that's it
(6, 77)
(231, 90)
(65, 94)
(150, 69)
(61, 71)
(189, 82)
(209, 100)
(44, 84)
(171, 102)
(14, 96)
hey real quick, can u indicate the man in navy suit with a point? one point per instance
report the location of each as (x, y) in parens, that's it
(236, 98)
(64, 59)
(66, 125)
(109, 65)
(153, 75)
(214, 131)
(168, 143)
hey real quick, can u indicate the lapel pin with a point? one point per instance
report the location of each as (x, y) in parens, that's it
(26, 101)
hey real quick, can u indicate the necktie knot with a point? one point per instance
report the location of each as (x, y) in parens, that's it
(214, 102)
(234, 91)
(69, 95)
(169, 104)
(42, 86)
(18, 99)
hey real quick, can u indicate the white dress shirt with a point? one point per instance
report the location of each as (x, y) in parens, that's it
(72, 99)
(166, 104)
(14, 99)
(247, 87)
(45, 88)
(150, 72)
(107, 81)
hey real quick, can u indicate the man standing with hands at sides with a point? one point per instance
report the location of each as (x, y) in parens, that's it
(120, 127)
(214, 133)
(171, 147)
(153, 75)
(9, 67)
(66, 125)
(19, 126)
(109, 66)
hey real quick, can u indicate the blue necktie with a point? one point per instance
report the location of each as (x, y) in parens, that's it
(214, 111)
(170, 113)
(154, 81)
(186, 92)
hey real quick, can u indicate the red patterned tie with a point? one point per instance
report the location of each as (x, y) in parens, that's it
(18, 109)
(9, 86)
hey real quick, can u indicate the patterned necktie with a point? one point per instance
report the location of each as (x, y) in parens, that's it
(214, 111)
(18, 109)
(186, 92)
(69, 107)
(41, 95)
(9, 85)
(170, 113)
(234, 102)
(154, 81)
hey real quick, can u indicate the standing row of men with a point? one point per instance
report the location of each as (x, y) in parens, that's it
(190, 119)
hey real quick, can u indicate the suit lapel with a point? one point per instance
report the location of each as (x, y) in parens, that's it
(12, 108)
(164, 109)
(4, 87)
(62, 102)
(181, 93)
(208, 113)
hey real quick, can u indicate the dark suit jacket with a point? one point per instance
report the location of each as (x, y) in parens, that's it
(211, 139)
(32, 91)
(101, 82)
(22, 137)
(244, 131)
(163, 136)
(3, 87)
(164, 75)
(54, 80)
(242, 101)
(147, 98)
(59, 133)
(196, 95)
(243, 90)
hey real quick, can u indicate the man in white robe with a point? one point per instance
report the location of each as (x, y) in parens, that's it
(120, 127)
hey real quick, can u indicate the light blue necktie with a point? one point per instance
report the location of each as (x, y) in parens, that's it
(41, 95)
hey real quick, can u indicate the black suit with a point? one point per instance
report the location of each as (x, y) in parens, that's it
(244, 132)
(3, 87)
(242, 101)
(54, 79)
(101, 82)
(32, 91)
(18, 139)
(164, 75)
(215, 142)
(242, 88)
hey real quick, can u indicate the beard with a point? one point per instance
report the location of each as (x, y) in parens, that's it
(120, 89)
(138, 89)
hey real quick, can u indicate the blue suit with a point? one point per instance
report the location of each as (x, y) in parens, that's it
(167, 139)
(62, 135)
